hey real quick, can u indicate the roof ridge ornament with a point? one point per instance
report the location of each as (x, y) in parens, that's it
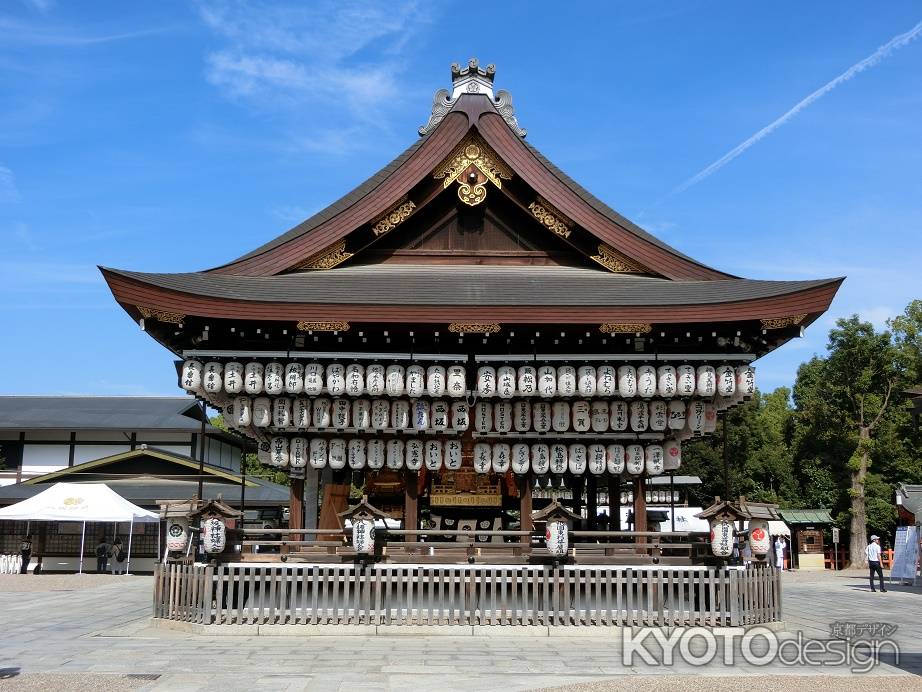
(471, 79)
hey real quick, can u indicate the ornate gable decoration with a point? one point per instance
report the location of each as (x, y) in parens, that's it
(471, 79)
(471, 165)
(327, 258)
(614, 261)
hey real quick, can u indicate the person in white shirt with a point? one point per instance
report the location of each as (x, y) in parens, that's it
(873, 553)
(779, 553)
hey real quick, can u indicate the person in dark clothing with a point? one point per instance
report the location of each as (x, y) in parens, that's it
(25, 552)
(102, 556)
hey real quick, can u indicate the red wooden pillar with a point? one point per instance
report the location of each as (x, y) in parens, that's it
(640, 509)
(295, 510)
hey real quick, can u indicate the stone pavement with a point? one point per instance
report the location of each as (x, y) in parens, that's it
(83, 635)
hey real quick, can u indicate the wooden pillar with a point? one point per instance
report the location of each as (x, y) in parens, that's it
(295, 510)
(640, 509)
(614, 503)
(592, 504)
(525, 520)
(576, 485)
(410, 504)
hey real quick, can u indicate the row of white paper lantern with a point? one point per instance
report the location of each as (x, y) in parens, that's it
(626, 381)
(356, 454)
(695, 416)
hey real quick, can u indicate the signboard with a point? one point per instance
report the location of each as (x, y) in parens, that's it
(905, 553)
(835, 534)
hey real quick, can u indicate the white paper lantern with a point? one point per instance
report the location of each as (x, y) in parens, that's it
(746, 380)
(560, 418)
(505, 381)
(380, 414)
(576, 461)
(340, 410)
(396, 454)
(298, 452)
(321, 415)
(521, 460)
(281, 412)
(541, 414)
(262, 412)
(486, 381)
(213, 377)
(264, 452)
(759, 538)
(666, 382)
(502, 416)
(606, 381)
(586, 380)
(676, 415)
(659, 415)
(361, 414)
(581, 415)
(414, 455)
(547, 381)
(375, 379)
(483, 417)
(294, 378)
(355, 379)
(694, 415)
(614, 459)
(214, 535)
(619, 416)
(595, 459)
(501, 457)
(317, 453)
(279, 451)
(313, 379)
(460, 416)
(395, 382)
(483, 458)
(435, 380)
(521, 415)
(540, 458)
(672, 455)
(357, 456)
(227, 412)
(453, 455)
(646, 381)
(400, 414)
(416, 381)
(559, 458)
(337, 453)
(336, 379)
(654, 459)
(375, 454)
(274, 379)
(640, 416)
(686, 380)
(191, 378)
(253, 378)
(456, 381)
(233, 377)
(556, 537)
(566, 380)
(363, 536)
(706, 381)
(710, 418)
(528, 381)
(177, 533)
(722, 537)
(440, 415)
(433, 452)
(243, 411)
(726, 380)
(634, 459)
(421, 413)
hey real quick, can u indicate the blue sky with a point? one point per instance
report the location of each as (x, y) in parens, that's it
(174, 136)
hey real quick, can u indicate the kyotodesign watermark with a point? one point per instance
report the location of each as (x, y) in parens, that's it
(857, 646)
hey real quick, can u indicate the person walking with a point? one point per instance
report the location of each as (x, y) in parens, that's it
(25, 553)
(873, 553)
(117, 553)
(779, 553)
(102, 556)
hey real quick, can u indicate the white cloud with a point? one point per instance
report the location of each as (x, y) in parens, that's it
(8, 190)
(878, 315)
(63, 37)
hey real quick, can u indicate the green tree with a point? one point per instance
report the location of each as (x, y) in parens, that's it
(251, 465)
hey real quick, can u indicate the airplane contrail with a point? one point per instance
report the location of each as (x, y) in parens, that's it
(873, 59)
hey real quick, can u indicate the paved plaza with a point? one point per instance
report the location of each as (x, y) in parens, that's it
(93, 632)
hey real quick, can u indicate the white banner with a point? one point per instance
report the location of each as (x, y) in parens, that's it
(905, 553)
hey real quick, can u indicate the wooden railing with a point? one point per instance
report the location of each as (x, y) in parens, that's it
(420, 595)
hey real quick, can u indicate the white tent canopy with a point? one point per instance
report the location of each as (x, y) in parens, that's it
(81, 502)
(77, 502)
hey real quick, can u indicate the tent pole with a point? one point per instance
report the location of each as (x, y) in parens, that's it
(130, 532)
(82, 538)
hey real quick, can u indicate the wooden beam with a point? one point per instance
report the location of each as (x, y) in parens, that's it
(525, 507)
(295, 508)
(640, 509)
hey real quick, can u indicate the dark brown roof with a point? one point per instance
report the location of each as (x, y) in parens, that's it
(469, 285)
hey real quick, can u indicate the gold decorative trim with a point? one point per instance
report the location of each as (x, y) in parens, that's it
(614, 261)
(472, 151)
(626, 328)
(161, 315)
(327, 258)
(474, 328)
(552, 219)
(393, 217)
(306, 326)
(781, 322)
